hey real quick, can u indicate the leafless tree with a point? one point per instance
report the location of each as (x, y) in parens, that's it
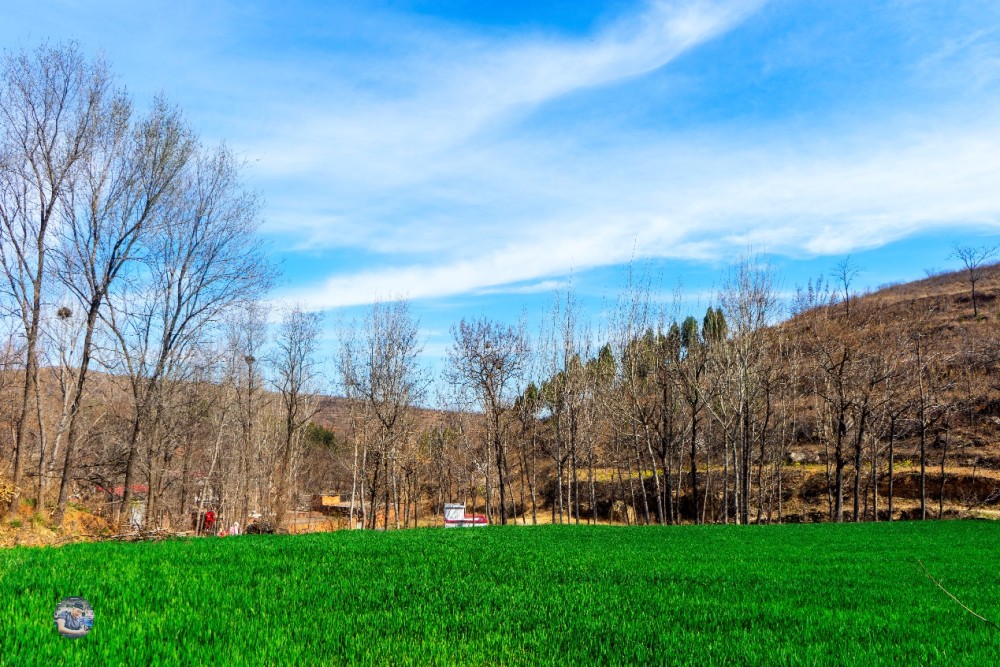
(119, 203)
(528, 407)
(61, 354)
(379, 366)
(749, 302)
(487, 359)
(52, 104)
(845, 272)
(569, 394)
(635, 404)
(690, 368)
(297, 376)
(246, 334)
(975, 259)
(204, 261)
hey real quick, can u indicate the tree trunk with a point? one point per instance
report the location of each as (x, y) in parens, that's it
(892, 460)
(642, 482)
(656, 479)
(694, 462)
(593, 490)
(499, 449)
(944, 459)
(841, 462)
(858, 439)
(74, 412)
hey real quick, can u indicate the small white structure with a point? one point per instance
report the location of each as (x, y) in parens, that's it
(137, 515)
(455, 517)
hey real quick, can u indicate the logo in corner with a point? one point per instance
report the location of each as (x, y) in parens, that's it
(74, 617)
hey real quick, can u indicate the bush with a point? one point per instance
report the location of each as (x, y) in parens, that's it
(319, 436)
(260, 528)
(15, 523)
(6, 491)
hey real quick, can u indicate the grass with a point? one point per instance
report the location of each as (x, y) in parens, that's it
(804, 594)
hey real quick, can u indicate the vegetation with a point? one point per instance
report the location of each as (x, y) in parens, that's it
(554, 595)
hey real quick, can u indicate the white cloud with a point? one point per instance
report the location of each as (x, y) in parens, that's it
(698, 201)
(444, 140)
(539, 287)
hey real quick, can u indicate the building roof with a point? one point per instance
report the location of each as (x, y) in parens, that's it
(119, 490)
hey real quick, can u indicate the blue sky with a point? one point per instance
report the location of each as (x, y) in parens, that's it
(477, 156)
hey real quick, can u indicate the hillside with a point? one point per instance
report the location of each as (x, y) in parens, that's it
(959, 357)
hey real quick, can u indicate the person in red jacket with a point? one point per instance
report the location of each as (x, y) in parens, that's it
(209, 521)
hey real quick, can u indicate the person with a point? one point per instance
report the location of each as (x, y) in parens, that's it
(71, 622)
(235, 528)
(209, 520)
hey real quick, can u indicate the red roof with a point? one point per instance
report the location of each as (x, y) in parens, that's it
(120, 489)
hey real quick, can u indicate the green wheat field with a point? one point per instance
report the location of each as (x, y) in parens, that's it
(812, 594)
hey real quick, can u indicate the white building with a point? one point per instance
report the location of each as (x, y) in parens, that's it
(455, 517)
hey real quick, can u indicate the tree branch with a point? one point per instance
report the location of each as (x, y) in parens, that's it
(938, 583)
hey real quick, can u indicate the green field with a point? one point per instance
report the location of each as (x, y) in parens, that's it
(813, 594)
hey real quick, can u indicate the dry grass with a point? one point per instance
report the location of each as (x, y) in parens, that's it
(32, 528)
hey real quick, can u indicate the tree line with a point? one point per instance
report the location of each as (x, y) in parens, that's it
(662, 419)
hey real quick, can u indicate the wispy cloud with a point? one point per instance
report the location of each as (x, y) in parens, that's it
(450, 174)
(406, 167)
(461, 192)
(697, 201)
(540, 287)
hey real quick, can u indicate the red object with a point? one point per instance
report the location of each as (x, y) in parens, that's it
(209, 519)
(470, 518)
(119, 490)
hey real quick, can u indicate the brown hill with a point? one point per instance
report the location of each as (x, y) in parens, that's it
(946, 366)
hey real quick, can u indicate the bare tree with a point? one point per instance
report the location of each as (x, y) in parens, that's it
(359, 417)
(246, 336)
(931, 405)
(690, 369)
(487, 359)
(52, 103)
(528, 407)
(845, 272)
(636, 405)
(297, 375)
(119, 202)
(204, 261)
(61, 354)
(379, 367)
(569, 395)
(975, 259)
(749, 302)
